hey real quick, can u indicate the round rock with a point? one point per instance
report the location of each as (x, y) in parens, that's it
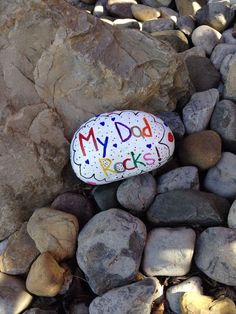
(169, 252)
(221, 179)
(215, 254)
(186, 24)
(232, 216)
(137, 193)
(144, 13)
(201, 149)
(109, 250)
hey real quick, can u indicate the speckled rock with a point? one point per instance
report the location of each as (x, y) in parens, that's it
(120, 8)
(144, 13)
(201, 149)
(198, 111)
(221, 179)
(186, 24)
(136, 297)
(175, 38)
(111, 243)
(13, 296)
(206, 37)
(232, 216)
(220, 52)
(169, 251)
(157, 25)
(215, 254)
(173, 120)
(230, 82)
(223, 122)
(174, 293)
(105, 196)
(188, 208)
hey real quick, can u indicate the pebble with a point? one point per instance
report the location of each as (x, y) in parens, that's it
(174, 293)
(228, 37)
(232, 216)
(120, 8)
(75, 204)
(201, 149)
(156, 3)
(45, 277)
(188, 7)
(111, 244)
(169, 252)
(186, 24)
(13, 296)
(100, 8)
(160, 24)
(54, 231)
(230, 83)
(168, 13)
(221, 179)
(183, 178)
(224, 70)
(134, 298)
(144, 13)
(196, 66)
(175, 38)
(19, 253)
(206, 37)
(126, 23)
(173, 120)
(137, 193)
(188, 207)
(105, 196)
(215, 254)
(223, 121)
(198, 111)
(220, 52)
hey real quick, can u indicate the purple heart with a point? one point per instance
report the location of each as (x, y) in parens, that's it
(87, 162)
(113, 119)
(149, 145)
(115, 145)
(102, 123)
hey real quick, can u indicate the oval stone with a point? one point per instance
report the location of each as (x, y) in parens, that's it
(120, 144)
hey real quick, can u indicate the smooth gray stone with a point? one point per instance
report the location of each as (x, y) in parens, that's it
(137, 193)
(173, 120)
(157, 25)
(232, 216)
(188, 207)
(198, 111)
(223, 121)
(224, 68)
(183, 178)
(220, 52)
(105, 195)
(221, 179)
(135, 298)
(230, 79)
(215, 254)
(110, 248)
(186, 24)
(228, 37)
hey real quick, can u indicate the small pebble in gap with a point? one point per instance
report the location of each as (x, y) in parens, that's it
(198, 111)
(201, 149)
(173, 120)
(105, 195)
(220, 52)
(158, 25)
(232, 216)
(100, 8)
(175, 38)
(174, 293)
(221, 179)
(206, 37)
(137, 193)
(215, 254)
(169, 251)
(186, 24)
(182, 178)
(144, 13)
(127, 23)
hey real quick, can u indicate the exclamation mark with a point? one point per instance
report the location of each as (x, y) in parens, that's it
(158, 154)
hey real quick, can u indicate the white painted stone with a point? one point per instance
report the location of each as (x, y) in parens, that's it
(120, 144)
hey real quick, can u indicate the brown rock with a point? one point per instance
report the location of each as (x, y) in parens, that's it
(54, 231)
(175, 38)
(201, 149)
(19, 253)
(144, 13)
(45, 277)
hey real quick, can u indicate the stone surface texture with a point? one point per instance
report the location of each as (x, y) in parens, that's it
(232, 216)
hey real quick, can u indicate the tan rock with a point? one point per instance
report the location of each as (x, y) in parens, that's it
(45, 277)
(144, 12)
(175, 38)
(54, 231)
(19, 253)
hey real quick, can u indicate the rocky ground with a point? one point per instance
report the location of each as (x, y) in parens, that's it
(162, 242)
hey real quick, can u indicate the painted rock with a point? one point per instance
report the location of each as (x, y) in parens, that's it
(120, 144)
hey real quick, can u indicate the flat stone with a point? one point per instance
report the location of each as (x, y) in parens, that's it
(215, 254)
(175, 38)
(230, 83)
(189, 7)
(45, 277)
(13, 296)
(198, 111)
(105, 196)
(228, 36)
(223, 122)
(206, 37)
(232, 216)
(196, 66)
(183, 178)
(75, 204)
(169, 13)
(186, 24)
(173, 120)
(127, 23)
(221, 179)
(216, 15)
(111, 244)
(137, 193)
(19, 254)
(157, 25)
(169, 252)
(220, 52)
(188, 208)
(144, 13)
(120, 8)
(124, 300)
(201, 149)
(174, 293)
(54, 231)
